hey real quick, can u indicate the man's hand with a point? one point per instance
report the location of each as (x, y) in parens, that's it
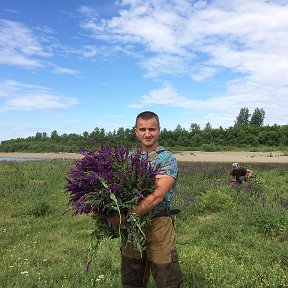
(249, 172)
(163, 185)
(116, 220)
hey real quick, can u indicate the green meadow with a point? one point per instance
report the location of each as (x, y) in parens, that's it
(228, 235)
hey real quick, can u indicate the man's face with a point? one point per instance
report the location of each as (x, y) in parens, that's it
(147, 132)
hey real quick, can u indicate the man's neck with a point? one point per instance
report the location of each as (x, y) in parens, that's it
(145, 150)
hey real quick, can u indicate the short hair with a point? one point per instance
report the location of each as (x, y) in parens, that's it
(147, 115)
(236, 165)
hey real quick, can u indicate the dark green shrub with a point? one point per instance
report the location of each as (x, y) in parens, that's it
(39, 209)
(209, 148)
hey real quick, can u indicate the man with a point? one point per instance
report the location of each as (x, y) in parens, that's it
(240, 173)
(160, 255)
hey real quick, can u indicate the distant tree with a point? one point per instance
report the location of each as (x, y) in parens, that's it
(243, 117)
(194, 127)
(208, 126)
(257, 118)
(54, 135)
(178, 128)
(130, 135)
(85, 134)
(269, 138)
(38, 136)
(121, 132)
(166, 137)
(196, 140)
(98, 135)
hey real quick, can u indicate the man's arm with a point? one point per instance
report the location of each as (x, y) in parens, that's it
(163, 185)
(249, 172)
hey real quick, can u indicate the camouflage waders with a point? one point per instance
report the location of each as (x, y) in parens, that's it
(160, 257)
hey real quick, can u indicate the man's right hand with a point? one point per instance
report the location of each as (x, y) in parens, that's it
(116, 220)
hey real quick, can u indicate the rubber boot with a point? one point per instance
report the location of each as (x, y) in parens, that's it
(134, 272)
(168, 275)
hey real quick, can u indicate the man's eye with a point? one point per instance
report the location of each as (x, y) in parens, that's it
(149, 129)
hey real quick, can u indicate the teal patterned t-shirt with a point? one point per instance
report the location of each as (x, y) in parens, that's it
(167, 164)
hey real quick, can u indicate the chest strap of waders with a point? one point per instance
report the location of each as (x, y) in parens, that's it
(154, 155)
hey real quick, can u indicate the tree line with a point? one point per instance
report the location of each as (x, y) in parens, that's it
(247, 133)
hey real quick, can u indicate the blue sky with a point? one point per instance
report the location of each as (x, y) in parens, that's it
(72, 66)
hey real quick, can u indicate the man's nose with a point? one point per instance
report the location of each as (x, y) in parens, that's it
(147, 133)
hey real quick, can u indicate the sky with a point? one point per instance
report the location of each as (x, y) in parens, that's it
(73, 66)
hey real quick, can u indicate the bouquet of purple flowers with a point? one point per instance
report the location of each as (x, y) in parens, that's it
(109, 182)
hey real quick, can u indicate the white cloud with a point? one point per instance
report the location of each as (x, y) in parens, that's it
(167, 95)
(221, 110)
(87, 12)
(199, 39)
(64, 70)
(19, 45)
(163, 28)
(26, 97)
(29, 48)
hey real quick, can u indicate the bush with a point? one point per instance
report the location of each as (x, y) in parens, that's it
(39, 209)
(209, 148)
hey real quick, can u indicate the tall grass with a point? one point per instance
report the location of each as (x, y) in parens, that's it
(228, 236)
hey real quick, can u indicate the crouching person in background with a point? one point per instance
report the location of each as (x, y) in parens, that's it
(240, 174)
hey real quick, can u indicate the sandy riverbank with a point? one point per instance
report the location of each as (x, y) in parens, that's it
(241, 157)
(193, 156)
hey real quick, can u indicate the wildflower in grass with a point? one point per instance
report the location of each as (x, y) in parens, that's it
(100, 277)
(249, 188)
(110, 182)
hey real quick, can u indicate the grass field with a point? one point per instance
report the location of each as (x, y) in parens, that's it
(228, 236)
